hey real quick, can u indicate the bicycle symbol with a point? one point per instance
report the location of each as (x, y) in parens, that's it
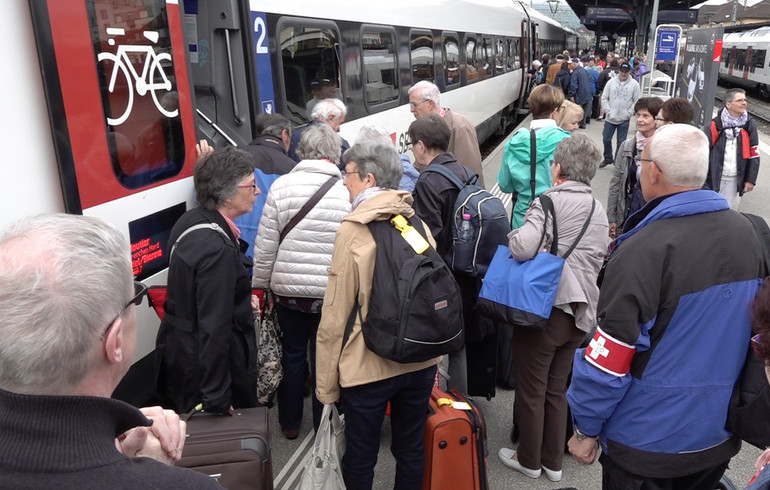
(152, 78)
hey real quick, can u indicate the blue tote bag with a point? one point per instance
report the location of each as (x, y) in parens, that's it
(523, 293)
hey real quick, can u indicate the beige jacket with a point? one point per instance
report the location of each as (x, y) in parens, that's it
(350, 275)
(578, 293)
(464, 143)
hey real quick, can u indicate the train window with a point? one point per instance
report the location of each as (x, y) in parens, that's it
(309, 55)
(517, 53)
(422, 56)
(451, 59)
(379, 54)
(740, 61)
(759, 59)
(487, 57)
(726, 57)
(500, 56)
(472, 72)
(509, 54)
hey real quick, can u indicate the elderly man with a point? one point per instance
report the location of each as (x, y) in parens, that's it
(655, 382)
(734, 158)
(618, 99)
(424, 99)
(326, 111)
(68, 324)
(553, 69)
(580, 89)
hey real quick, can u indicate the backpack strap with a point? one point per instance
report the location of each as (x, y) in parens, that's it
(294, 221)
(533, 163)
(451, 176)
(200, 226)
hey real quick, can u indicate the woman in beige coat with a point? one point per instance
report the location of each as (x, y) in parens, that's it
(542, 361)
(364, 381)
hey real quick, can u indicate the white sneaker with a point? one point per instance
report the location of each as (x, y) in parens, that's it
(552, 475)
(506, 456)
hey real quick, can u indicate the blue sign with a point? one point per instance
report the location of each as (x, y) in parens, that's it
(264, 67)
(667, 45)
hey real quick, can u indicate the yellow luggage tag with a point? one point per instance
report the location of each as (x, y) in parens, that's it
(454, 404)
(412, 236)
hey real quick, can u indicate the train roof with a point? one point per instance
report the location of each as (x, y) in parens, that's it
(499, 16)
(761, 34)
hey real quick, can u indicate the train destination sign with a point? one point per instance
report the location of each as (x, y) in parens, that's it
(608, 14)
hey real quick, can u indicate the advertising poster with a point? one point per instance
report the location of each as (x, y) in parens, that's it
(697, 79)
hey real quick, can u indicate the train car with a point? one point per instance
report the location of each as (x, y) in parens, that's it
(107, 98)
(745, 62)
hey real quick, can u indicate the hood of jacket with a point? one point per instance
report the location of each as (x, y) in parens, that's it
(546, 140)
(382, 207)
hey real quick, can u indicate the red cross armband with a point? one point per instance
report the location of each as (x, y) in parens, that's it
(609, 354)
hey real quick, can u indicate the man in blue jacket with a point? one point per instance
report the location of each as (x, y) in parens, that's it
(580, 89)
(655, 382)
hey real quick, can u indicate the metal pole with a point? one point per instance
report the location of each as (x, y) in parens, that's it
(651, 39)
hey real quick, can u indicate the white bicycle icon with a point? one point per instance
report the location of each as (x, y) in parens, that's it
(152, 79)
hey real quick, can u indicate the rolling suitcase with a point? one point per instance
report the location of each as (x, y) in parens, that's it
(455, 444)
(234, 450)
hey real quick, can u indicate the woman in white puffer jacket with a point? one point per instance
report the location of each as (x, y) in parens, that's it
(296, 269)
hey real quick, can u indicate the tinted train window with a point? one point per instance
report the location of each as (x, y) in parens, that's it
(451, 60)
(379, 49)
(470, 60)
(310, 68)
(500, 56)
(487, 57)
(509, 54)
(422, 56)
(517, 53)
(759, 59)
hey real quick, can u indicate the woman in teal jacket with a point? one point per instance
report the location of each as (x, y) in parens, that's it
(515, 173)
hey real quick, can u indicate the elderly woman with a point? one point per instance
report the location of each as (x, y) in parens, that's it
(291, 258)
(625, 195)
(351, 372)
(515, 172)
(379, 134)
(543, 360)
(206, 344)
(571, 116)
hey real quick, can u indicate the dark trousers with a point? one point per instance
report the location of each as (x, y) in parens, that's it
(586, 112)
(298, 330)
(364, 411)
(607, 131)
(542, 362)
(616, 478)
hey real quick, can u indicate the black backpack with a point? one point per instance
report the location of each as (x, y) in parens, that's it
(415, 308)
(489, 223)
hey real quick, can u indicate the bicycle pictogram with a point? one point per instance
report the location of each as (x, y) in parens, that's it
(152, 78)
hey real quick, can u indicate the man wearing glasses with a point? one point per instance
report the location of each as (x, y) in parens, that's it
(734, 157)
(68, 324)
(424, 99)
(654, 385)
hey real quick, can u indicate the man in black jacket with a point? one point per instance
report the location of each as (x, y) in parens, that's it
(68, 324)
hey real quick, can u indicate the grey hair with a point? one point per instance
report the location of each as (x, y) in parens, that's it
(319, 141)
(373, 133)
(579, 157)
(429, 91)
(272, 124)
(63, 279)
(327, 109)
(379, 159)
(681, 168)
(216, 176)
(730, 94)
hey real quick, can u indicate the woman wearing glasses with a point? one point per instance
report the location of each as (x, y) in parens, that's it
(625, 195)
(206, 344)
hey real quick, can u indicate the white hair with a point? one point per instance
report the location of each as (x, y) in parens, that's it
(373, 133)
(63, 279)
(681, 168)
(429, 91)
(327, 109)
(319, 141)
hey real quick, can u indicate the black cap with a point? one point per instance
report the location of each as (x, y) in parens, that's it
(625, 67)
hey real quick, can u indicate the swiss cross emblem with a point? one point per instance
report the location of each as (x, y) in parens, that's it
(598, 348)
(609, 354)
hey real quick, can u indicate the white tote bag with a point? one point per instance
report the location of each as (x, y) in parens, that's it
(323, 471)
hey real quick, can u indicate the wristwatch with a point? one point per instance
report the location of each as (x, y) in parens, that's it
(580, 436)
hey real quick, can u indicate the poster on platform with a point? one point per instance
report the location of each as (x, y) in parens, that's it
(697, 78)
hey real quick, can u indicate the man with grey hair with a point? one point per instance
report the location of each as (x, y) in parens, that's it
(327, 111)
(372, 133)
(655, 383)
(68, 324)
(425, 99)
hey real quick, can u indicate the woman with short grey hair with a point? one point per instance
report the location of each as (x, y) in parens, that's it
(542, 361)
(379, 134)
(379, 159)
(319, 142)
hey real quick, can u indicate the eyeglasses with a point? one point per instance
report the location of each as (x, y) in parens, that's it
(660, 119)
(253, 187)
(737, 100)
(638, 159)
(346, 173)
(140, 289)
(415, 104)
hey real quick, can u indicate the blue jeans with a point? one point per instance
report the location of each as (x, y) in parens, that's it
(364, 407)
(298, 329)
(609, 128)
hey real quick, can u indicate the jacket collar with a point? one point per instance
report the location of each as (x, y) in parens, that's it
(382, 207)
(317, 167)
(270, 141)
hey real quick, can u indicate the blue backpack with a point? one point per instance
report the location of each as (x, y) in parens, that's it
(489, 224)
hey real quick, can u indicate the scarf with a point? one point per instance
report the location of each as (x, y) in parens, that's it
(641, 142)
(732, 125)
(366, 194)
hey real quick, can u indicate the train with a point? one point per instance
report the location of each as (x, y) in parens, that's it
(107, 98)
(744, 60)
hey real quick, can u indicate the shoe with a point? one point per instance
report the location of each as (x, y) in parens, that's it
(291, 434)
(604, 164)
(582, 126)
(552, 475)
(506, 456)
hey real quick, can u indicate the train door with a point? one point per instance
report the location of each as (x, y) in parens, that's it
(220, 39)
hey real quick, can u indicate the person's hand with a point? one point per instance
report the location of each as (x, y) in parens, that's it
(270, 303)
(203, 149)
(140, 442)
(583, 451)
(162, 441)
(748, 187)
(255, 304)
(613, 230)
